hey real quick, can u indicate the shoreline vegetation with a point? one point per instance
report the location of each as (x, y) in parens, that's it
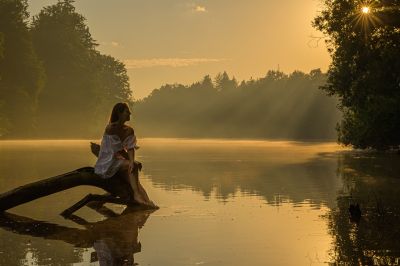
(277, 106)
(205, 139)
(52, 77)
(44, 94)
(54, 83)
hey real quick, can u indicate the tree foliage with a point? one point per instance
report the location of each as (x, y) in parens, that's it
(21, 72)
(1, 45)
(63, 42)
(365, 70)
(3, 119)
(82, 83)
(111, 84)
(275, 106)
(51, 76)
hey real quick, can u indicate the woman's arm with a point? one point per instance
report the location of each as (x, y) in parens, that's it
(129, 145)
(131, 155)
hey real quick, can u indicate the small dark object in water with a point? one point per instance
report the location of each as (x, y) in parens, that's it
(355, 212)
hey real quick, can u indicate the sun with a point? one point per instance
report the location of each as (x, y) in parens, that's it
(366, 17)
(365, 9)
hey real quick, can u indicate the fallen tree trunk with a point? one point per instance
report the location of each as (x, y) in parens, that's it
(116, 187)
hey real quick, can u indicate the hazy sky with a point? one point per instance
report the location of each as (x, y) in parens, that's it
(180, 41)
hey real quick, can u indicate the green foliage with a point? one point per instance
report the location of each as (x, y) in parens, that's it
(4, 123)
(223, 82)
(65, 45)
(111, 85)
(21, 72)
(365, 70)
(82, 84)
(52, 77)
(1, 45)
(275, 106)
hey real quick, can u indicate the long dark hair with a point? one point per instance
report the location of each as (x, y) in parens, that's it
(117, 110)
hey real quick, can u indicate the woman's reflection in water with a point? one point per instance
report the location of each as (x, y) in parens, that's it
(117, 239)
(114, 239)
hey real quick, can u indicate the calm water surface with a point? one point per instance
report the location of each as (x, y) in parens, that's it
(222, 202)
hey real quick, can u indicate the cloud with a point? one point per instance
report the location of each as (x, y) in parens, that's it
(112, 44)
(200, 9)
(168, 62)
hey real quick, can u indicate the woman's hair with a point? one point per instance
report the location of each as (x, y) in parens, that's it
(117, 110)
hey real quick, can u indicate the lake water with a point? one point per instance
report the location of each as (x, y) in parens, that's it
(222, 202)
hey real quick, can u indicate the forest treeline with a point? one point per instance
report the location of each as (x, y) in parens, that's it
(53, 81)
(279, 105)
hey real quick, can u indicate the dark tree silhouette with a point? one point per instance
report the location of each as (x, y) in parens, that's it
(21, 73)
(78, 75)
(365, 70)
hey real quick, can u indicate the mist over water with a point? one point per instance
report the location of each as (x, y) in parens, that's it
(222, 202)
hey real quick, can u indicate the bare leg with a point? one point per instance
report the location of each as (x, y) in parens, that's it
(132, 180)
(143, 193)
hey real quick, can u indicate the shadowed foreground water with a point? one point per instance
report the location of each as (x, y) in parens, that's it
(222, 202)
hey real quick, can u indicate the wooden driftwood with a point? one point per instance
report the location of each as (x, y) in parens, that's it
(118, 189)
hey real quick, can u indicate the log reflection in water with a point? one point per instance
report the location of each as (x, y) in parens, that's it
(372, 180)
(114, 239)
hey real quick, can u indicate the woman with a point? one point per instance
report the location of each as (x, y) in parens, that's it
(118, 137)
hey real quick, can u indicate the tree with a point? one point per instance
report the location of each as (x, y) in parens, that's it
(21, 72)
(110, 85)
(223, 82)
(1, 45)
(83, 84)
(275, 106)
(365, 70)
(63, 42)
(3, 119)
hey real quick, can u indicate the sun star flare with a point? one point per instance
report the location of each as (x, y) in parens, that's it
(365, 10)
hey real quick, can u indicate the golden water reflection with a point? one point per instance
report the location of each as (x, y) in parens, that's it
(223, 202)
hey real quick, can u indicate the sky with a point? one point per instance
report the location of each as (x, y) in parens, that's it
(181, 41)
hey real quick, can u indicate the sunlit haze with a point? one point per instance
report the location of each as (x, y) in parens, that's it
(180, 41)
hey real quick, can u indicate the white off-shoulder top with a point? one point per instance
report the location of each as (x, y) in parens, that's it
(107, 163)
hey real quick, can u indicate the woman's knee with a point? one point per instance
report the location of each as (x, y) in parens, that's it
(124, 165)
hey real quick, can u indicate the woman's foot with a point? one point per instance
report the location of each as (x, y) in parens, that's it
(139, 199)
(147, 204)
(152, 205)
